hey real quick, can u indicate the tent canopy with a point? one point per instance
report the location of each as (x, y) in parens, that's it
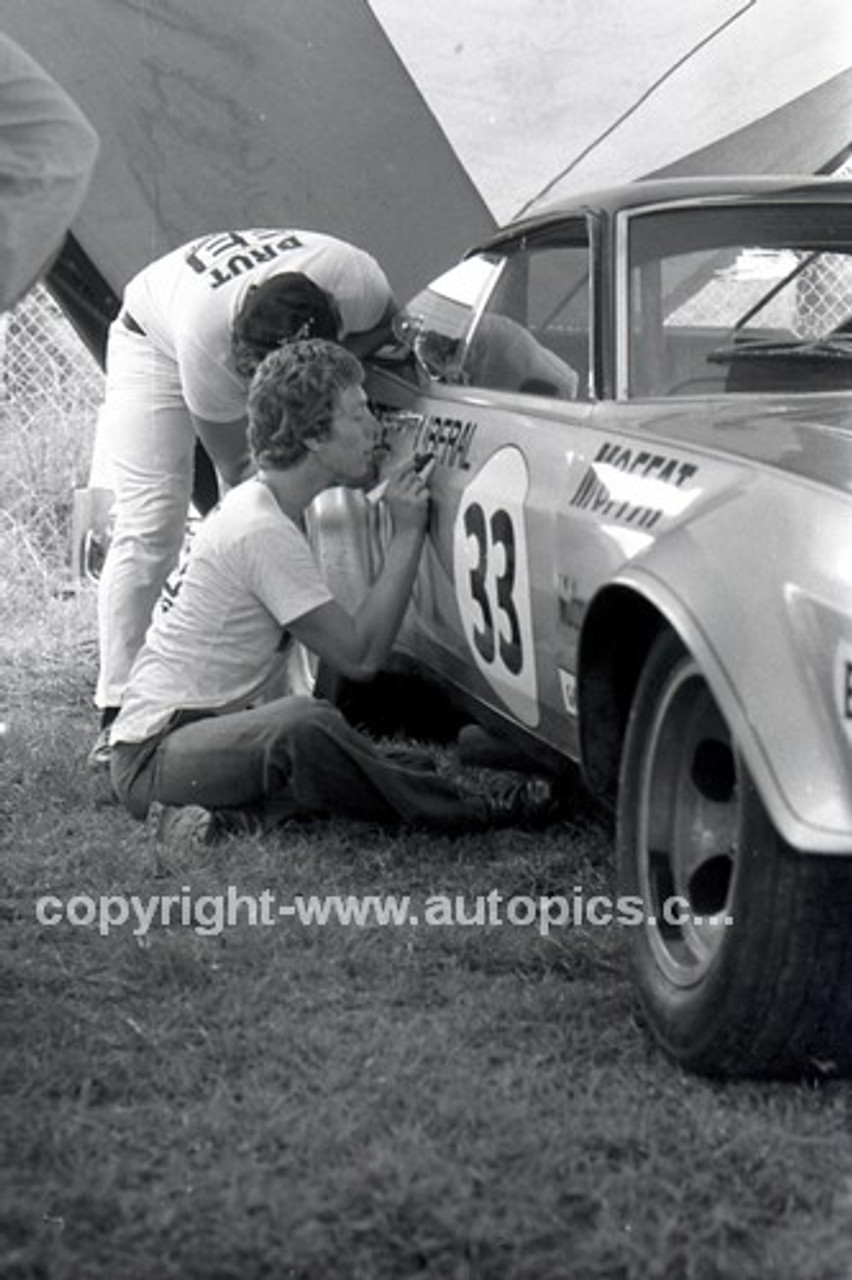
(267, 113)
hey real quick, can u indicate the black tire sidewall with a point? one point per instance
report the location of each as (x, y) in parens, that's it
(711, 1025)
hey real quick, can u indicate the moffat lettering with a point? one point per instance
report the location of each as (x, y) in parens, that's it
(594, 494)
(448, 440)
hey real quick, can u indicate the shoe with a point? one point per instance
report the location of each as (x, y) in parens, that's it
(177, 834)
(99, 757)
(520, 803)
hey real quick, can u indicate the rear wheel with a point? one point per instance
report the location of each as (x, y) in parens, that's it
(743, 957)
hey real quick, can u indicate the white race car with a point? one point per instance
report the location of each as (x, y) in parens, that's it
(640, 560)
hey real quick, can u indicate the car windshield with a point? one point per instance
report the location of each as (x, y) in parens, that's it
(740, 298)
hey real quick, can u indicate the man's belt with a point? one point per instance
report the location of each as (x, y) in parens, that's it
(129, 323)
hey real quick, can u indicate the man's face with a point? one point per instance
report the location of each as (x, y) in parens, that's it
(348, 451)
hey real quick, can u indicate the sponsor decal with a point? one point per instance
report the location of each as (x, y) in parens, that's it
(448, 440)
(492, 583)
(226, 255)
(635, 487)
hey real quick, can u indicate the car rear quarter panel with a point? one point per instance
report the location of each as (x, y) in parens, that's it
(730, 524)
(757, 580)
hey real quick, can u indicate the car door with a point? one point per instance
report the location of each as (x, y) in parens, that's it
(506, 338)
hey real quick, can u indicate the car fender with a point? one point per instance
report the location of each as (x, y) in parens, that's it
(810, 806)
(343, 529)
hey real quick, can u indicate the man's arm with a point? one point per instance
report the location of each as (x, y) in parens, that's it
(227, 445)
(505, 355)
(365, 342)
(358, 645)
(47, 154)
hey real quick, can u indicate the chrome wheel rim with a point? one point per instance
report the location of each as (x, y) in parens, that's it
(689, 815)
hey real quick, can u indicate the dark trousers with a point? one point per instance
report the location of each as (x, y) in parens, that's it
(294, 757)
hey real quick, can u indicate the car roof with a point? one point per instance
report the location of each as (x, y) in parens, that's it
(652, 192)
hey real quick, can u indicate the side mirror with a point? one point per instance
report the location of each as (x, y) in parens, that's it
(436, 354)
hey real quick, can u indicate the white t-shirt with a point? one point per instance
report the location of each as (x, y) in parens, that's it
(187, 301)
(251, 572)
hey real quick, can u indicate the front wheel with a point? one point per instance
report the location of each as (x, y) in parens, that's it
(743, 955)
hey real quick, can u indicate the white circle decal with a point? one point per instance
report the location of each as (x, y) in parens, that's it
(492, 582)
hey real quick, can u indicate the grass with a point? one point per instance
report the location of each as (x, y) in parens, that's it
(306, 1101)
(461, 1101)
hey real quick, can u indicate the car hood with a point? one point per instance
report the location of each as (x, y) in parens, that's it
(811, 438)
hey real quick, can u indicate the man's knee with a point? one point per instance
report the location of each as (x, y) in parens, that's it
(310, 718)
(153, 512)
(307, 726)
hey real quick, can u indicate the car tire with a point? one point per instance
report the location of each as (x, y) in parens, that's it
(756, 979)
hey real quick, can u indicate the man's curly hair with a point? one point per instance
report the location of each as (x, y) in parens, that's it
(293, 397)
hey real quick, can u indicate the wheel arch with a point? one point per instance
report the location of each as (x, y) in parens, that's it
(621, 624)
(618, 631)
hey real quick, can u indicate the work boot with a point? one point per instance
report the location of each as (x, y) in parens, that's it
(178, 834)
(520, 802)
(99, 756)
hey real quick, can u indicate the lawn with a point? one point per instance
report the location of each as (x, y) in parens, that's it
(376, 1101)
(293, 1100)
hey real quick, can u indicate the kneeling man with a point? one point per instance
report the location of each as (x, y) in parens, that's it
(196, 747)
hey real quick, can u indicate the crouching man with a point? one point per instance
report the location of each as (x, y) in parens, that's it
(195, 746)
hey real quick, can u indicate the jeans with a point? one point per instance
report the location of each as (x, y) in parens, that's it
(144, 449)
(294, 757)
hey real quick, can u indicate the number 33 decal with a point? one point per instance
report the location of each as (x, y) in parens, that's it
(491, 572)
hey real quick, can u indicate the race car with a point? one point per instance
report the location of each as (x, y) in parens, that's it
(639, 561)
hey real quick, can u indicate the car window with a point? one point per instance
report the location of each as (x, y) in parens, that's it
(533, 331)
(740, 299)
(436, 323)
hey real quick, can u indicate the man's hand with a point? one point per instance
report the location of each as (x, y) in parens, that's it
(407, 495)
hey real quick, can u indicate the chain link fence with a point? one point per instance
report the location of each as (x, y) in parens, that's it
(50, 390)
(50, 393)
(815, 304)
(45, 364)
